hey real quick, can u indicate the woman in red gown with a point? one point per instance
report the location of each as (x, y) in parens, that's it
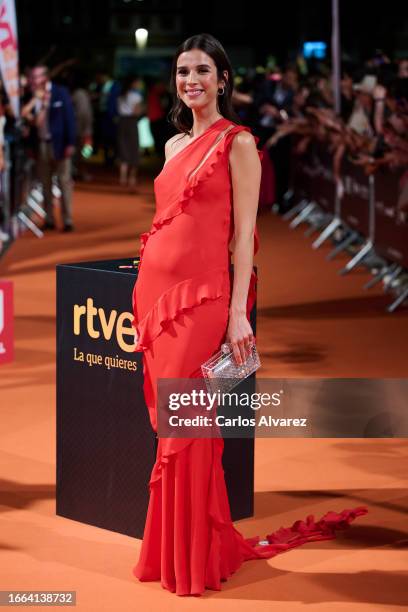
(184, 308)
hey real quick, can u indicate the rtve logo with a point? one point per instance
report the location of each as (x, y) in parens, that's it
(97, 324)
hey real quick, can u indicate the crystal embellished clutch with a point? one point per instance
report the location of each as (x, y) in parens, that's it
(222, 373)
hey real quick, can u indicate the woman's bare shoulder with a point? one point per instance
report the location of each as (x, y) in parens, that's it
(243, 149)
(243, 141)
(170, 148)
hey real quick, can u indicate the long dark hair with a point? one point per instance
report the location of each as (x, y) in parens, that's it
(180, 115)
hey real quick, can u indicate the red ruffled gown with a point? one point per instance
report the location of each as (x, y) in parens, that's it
(180, 304)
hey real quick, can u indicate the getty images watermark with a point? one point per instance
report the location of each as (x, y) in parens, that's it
(264, 407)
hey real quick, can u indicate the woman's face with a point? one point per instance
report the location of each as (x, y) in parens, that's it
(196, 79)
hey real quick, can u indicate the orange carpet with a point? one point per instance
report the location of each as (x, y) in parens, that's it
(311, 323)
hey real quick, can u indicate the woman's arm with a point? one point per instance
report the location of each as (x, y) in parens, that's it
(245, 168)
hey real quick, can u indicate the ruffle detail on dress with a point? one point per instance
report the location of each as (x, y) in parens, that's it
(300, 533)
(150, 327)
(229, 549)
(177, 207)
(157, 470)
(180, 297)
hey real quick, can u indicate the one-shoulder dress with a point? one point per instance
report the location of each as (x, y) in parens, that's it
(180, 305)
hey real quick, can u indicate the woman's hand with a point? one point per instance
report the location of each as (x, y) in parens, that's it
(240, 336)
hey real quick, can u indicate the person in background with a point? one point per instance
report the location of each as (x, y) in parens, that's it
(84, 123)
(361, 119)
(130, 108)
(276, 103)
(158, 103)
(347, 95)
(104, 92)
(52, 114)
(275, 106)
(110, 123)
(96, 92)
(300, 100)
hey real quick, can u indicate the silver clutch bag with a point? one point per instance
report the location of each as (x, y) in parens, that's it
(222, 373)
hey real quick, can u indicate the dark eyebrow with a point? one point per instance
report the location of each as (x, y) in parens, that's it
(199, 66)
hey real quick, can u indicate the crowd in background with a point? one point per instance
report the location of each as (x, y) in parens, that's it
(372, 125)
(69, 116)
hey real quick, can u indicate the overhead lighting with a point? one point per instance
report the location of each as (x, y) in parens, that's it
(141, 35)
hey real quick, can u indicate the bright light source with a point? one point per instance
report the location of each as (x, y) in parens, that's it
(141, 35)
(314, 49)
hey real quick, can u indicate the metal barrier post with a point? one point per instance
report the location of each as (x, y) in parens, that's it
(334, 223)
(369, 244)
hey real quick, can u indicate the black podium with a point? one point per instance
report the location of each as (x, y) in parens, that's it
(106, 447)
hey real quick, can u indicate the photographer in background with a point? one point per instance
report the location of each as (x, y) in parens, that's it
(52, 114)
